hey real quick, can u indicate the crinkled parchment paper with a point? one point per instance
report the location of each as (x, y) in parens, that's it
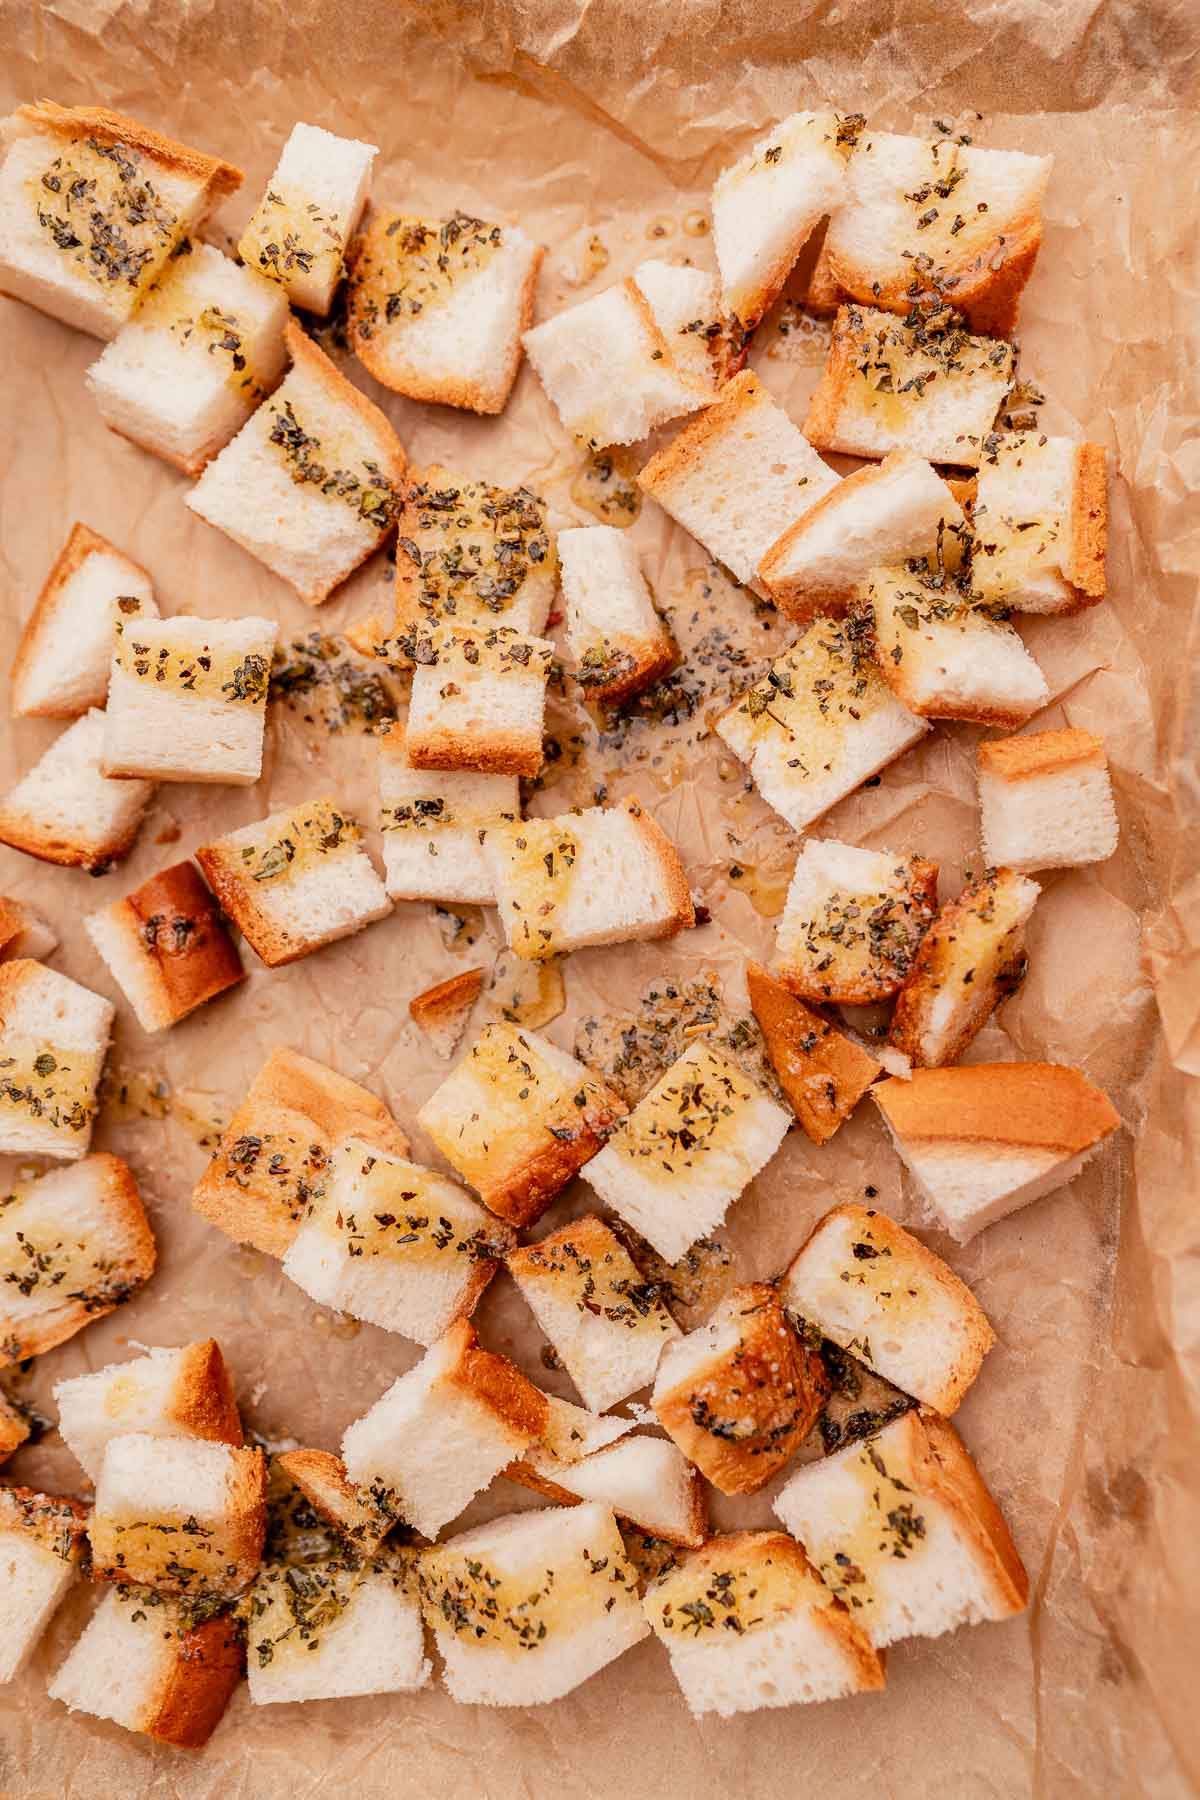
(610, 120)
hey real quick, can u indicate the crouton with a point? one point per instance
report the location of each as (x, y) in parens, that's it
(441, 1012)
(645, 1480)
(572, 1432)
(823, 1073)
(517, 1118)
(852, 922)
(41, 1547)
(433, 823)
(53, 1040)
(180, 1515)
(23, 932)
(983, 1140)
(824, 293)
(478, 701)
(64, 658)
(66, 810)
(686, 304)
(906, 1534)
(1041, 523)
(471, 554)
(1046, 801)
(438, 306)
(311, 483)
(618, 642)
(184, 1393)
(92, 208)
(15, 1428)
(330, 1628)
(302, 226)
(166, 946)
(945, 655)
(321, 1478)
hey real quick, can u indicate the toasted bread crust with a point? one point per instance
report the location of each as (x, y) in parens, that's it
(524, 1193)
(81, 543)
(692, 442)
(958, 1484)
(322, 1479)
(448, 1001)
(495, 1382)
(12, 922)
(1089, 524)
(825, 294)
(36, 837)
(933, 965)
(223, 871)
(202, 1400)
(651, 657)
(14, 1427)
(501, 753)
(218, 176)
(820, 425)
(970, 712)
(823, 1073)
(674, 878)
(208, 1664)
(1042, 753)
(1034, 1105)
(175, 908)
(988, 297)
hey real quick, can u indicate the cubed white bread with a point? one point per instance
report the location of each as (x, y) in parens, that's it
(971, 958)
(1041, 523)
(738, 476)
(298, 234)
(478, 701)
(166, 946)
(888, 385)
(686, 304)
(882, 514)
(182, 1515)
(572, 1432)
(852, 922)
(607, 1323)
(168, 1393)
(66, 810)
(748, 1623)
(63, 660)
(88, 259)
(433, 821)
(906, 1534)
(296, 880)
(876, 1290)
(438, 306)
(443, 1431)
(442, 1011)
(322, 1480)
(609, 370)
(984, 1139)
(823, 1071)
(187, 699)
(618, 642)
(15, 1427)
(392, 1243)
(41, 1546)
(24, 932)
(142, 1663)
(765, 206)
(528, 1607)
(1046, 801)
(53, 1040)
(184, 374)
(645, 1480)
(946, 656)
(330, 1630)
(603, 875)
(311, 483)
(470, 553)
(688, 1149)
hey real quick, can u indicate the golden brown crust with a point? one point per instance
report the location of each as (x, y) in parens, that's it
(14, 1427)
(674, 878)
(820, 425)
(976, 712)
(207, 1664)
(1089, 523)
(496, 1383)
(444, 747)
(224, 872)
(989, 298)
(825, 293)
(447, 1003)
(936, 964)
(12, 922)
(644, 661)
(202, 1400)
(174, 924)
(322, 1479)
(219, 177)
(691, 445)
(958, 1484)
(524, 1192)
(802, 600)
(1034, 1105)
(37, 837)
(823, 1073)
(964, 488)
(1041, 753)
(54, 1521)
(81, 543)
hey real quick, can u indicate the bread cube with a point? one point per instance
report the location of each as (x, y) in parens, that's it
(92, 208)
(438, 306)
(688, 1149)
(434, 822)
(618, 642)
(441, 1432)
(686, 304)
(1046, 801)
(64, 658)
(553, 1586)
(1041, 523)
(322, 1480)
(852, 922)
(766, 205)
(478, 701)
(441, 1012)
(273, 1160)
(906, 1534)
(471, 554)
(183, 1393)
(53, 1040)
(748, 1623)
(166, 946)
(945, 655)
(15, 1428)
(572, 1432)
(823, 1072)
(311, 483)
(645, 1480)
(607, 1323)
(41, 1547)
(23, 932)
(180, 1515)
(327, 1630)
(300, 230)
(66, 810)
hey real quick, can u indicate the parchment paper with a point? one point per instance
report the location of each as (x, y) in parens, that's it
(612, 119)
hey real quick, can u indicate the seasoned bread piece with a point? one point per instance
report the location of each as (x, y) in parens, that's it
(92, 208)
(823, 1072)
(167, 947)
(517, 1118)
(928, 387)
(273, 1160)
(24, 932)
(53, 1040)
(433, 823)
(820, 723)
(945, 655)
(438, 306)
(971, 958)
(603, 875)
(607, 1323)
(154, 1665)
(478, 701)
(873, 1288)
(295, 881)
(439, 1434)
(321, 1478)
(748, 1623)
(852, 922)
(906, 1534)
(472, 554)
(183, 1393)
(740, 1394)
(187, 699)
(64, 658)
(15, 1428)
(1046, 801)
(41, 1547)
(688, 1149)
(441, 1012)
(983, 1140)
(572, 1432)
(1041, 523)
(686, 304)
(300, 230)
(527, 1607)
(329, 1628)
(311, 483)
(645, 1480)
(66, 810)
(181, 1515)
(618, 642)
(824, 294)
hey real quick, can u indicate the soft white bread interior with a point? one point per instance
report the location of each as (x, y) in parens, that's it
(24, 932)
(645, 1480)
(183, 1515)
(66, 810)
(945, 654)
(686, 304)
(53, 1040)
(1041, 523)
(823, 1071)
(766, 205)
(1046, 801)
(852, 922)
(433, 821)
(478, 701)
(442, 1011)
(618, 643)
(63, 660)
(470, 553)
(167, 947)
(298, 234)
(41, 1547)
(329, 1629)
(167, 1393)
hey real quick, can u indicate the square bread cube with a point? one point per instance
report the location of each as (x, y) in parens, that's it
(166, 946)
(273, 1160)
(686, 304)
(168, 1393)
(618, 643)
(327, 1630)
(852, 922)
(41, 1547)
(740, 1394)
(645, 1480)
(478, 700)
(1041, 523)
(64, 658)
(823, 1072)
(442, 1432)
(180, 1515)
(323, 1483)
(311, 483)
(438, 306)
(92, 208)
(298, 234)
(472, 554)
(905, 1533)
(945, 654)
(1046, 801)
(66, 810)
(187, 699)
(184, 374)
(15, 1428)
(748, 1623)
(607, 1323)
(688, 1149)
(518, 1118)
(434, 822)
(24, 932)
(295, 881)
(553, 1586)
(53, 1040)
